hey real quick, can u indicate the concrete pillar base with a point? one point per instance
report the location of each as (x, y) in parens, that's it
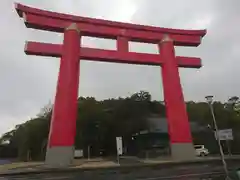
(182, 151)
(59, 156)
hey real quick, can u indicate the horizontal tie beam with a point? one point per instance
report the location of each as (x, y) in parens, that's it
(92, 54)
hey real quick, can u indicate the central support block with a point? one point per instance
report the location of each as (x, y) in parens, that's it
(182, 151)
(60, 156)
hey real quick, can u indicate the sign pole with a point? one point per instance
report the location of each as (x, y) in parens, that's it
(228, 146)
(118, 158)
(226, 135)
(88, 152)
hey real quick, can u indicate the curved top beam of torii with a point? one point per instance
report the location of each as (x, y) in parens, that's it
(57, 22)
(122, 32)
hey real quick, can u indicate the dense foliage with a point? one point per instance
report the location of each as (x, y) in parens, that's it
(99, 122)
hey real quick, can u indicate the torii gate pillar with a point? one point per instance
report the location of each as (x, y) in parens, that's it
(60, 150)
(178, 125)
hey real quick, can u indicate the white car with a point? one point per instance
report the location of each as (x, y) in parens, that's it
(200, 150)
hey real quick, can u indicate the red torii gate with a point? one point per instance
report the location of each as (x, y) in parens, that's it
(63, 123)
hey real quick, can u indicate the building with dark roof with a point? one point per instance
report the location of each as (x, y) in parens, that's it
(156, 138)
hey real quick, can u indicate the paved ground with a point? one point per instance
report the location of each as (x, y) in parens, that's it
(99, 162)
(156, 174)
(77, 176)
(129, 168)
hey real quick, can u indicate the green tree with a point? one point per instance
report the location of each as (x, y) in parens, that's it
(100, 122)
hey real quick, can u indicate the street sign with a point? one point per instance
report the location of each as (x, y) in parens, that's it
(119, 145)
(78, 153)
(225, 134)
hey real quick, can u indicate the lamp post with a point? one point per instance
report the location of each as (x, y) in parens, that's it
(209, 100)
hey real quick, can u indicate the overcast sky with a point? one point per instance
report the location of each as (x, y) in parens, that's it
(27, 83)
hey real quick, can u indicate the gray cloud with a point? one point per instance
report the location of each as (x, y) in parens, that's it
(28, 82)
